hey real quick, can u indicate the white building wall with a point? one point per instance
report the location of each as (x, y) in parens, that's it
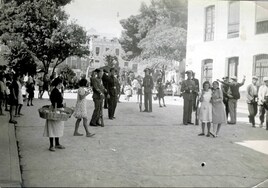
(246, 46)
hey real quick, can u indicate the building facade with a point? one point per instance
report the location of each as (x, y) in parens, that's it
(227, 38)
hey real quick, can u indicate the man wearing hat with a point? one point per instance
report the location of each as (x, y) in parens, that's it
(252, 95)
(148, 85)
(98, 96)
(233, 96)
(113, 91)
(263, 92)
(188, 90)
(225, 89)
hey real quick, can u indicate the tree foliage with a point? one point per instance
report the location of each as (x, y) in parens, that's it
(40, 28)
(159, 30)
(66, 69)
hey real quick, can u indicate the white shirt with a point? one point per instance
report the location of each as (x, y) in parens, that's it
(263, 91)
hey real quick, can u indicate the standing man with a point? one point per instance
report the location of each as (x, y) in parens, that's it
(233, 96)
(263, 91)
(188, 89)
(98, 96)
(105, 80)
(252, 95)
(196, 81)
(112, 95)
(225, 89)
(148, 85)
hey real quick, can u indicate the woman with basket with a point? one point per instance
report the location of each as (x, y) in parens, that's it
(54, 128)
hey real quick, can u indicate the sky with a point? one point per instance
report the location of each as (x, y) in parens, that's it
(103, 15)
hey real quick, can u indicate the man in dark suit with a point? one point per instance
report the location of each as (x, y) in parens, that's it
(105, 80)
(113, 91)
(148, 85)
(188, 90)
(98, 96)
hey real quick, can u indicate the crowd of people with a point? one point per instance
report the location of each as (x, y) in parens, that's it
(217, 102)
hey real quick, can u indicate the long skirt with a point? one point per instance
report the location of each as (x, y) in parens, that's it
(53, 128)
(218, 113)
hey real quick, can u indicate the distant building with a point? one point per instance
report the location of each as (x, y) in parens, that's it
(227, 38)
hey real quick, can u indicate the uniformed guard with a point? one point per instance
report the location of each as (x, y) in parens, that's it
(113, 92)
(148, 85)
(188, 90)
(98, 96)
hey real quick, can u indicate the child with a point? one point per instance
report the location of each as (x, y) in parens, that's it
(205, 114)
(128, 92)
(80, 111)
(30, 91)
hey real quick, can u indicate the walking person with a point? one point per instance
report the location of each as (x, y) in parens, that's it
(218, 111)
(54, 128)
(188, 90)
(20, 82)
(263, 91)
(80, 111)
(148, 85)
(113, 91)
(233, 96)
(205, 113)
(46, 84)
(160, 91)
(98, 96)
(225, 89)
(252, 96)
(13, 97)
(2, 93)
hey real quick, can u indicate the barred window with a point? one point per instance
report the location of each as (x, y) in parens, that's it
(232, 66)
(260, 66)
(207, 67)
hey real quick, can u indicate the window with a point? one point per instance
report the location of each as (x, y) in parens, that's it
(233, 19)
(232, 66)
(207, 67)
(97, 51)
(209, 23)
(261, 17)
(126, 64)
(135, 67)
(260, 66)
(117, 52)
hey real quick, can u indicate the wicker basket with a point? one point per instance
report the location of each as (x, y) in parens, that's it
(50, 113)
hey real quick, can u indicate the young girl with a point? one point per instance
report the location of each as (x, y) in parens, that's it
(218, 111)
(128, 92)
(205, 114)
(30, 91)
(80, 111)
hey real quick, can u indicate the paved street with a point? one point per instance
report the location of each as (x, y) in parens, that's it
(140, 149)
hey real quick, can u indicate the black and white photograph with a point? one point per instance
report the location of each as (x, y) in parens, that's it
(134, 93)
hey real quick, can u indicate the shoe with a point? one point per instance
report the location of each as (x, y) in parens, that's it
(12, 121)
(114, 118)
(78, 134)
(208, 135)
(28, 105)
(160, 106)
(165, 105)
(212, 134)
(92, 124)
(145, 111)
(52, 149)
(90, 134)
(201, 134)
(185, 123)
(31, 104)
(111, 118)
(21, 114)
(59, 147)
(190, 123)
(253, 126)
(230, 123)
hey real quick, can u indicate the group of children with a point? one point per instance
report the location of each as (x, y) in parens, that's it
(212, 110)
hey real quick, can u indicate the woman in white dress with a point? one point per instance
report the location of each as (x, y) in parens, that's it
(54, 128)
(80, 111)
(205, 113)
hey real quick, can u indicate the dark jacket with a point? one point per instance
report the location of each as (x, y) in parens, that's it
(148, 84)
(97, 88)
(56, 98)
(112, 88)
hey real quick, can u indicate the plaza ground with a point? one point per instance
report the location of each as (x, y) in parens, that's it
(141, 149)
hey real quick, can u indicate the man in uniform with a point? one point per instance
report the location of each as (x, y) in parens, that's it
(105, 80)
(113, 92)
(98, 96)
(188, 90)
(225, 90)
(148, 85)
(196, 81)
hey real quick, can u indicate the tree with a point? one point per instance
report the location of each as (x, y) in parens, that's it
(66, 71)
(40, 27)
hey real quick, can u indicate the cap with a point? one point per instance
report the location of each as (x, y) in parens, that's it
(147, 69)
(189, 71)
(225, 77)
(97, 70)
(265, 78)
(255, 77)
(234, 78)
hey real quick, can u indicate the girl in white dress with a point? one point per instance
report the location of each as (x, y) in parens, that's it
(205, 113)
(80, 111)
